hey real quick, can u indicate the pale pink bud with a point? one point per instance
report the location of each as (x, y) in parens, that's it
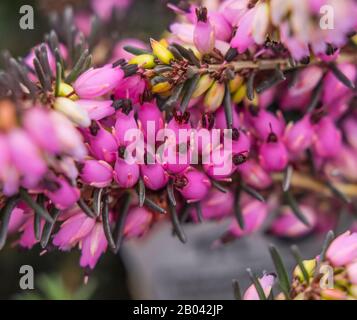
(97, 173)
(126, 175)
(254, 175)
(204, 34)
(137, 222)
(267, 283)
(97, 109)
(343, 250)
(298, 136)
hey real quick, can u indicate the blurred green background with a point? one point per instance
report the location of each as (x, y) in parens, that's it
(57, 274)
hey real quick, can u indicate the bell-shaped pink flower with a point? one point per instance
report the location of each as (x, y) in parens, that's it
(131, 87)
(267, 283)
(154, 176)
(175, 167)
(343, 250)
(220, 119)
(254, 175)
(288, 225)
(273, 155)
(223, 30)
(97, 82)
(137, 222)
(97, 109)
(62, 194)
(298, 136)
(266, 122)
(73, 230)
(103, 144)
(150, 115)
(328, 140)
(124, 122)
(126, 174)
(97, 173)
(216, 205)
(26, 157)
(192, 184)
(254, 214)
(93, 246)
(220, 166)
(41, 129)
(204, 33)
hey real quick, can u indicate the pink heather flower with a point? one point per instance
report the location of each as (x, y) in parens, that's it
(93, 246)
(87, 233)
(104, 8)
(288, 225)
(216, 205)
(328, 140)
(240, 147)
(17, 219)
(120, 53)
(97, 173)
(223, 30)
(192, 184)
(124, 122)
(334, 90)
(273, 155)
(306, 81)
(97, 109)
(126, 175)
(352, 272)
(70, 139)
(233, 10)
(204, 33)
(102, 144)
(154, 176)
(28, 239)
(243, 38)
(266, 122)
(179, 122)
(183, 31)
(63, 195)
(343, 250)
(175, 167)
(137, 222)
(254, 175)
(267, 283)
(220, 119)
(149, 112)
(9, 176)
(97, 82)
(131, 87)
(220, 166)
(38, 124)
(26, 157)
(298, 136)
(254, 214)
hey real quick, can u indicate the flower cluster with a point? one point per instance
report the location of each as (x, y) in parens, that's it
(278, 89)
(329, 276)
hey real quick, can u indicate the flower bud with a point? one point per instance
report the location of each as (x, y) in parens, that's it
(96, 82)
(161, 87)
(254, 214)
(352, 272)
(254, 175)
(98, 174)
(124, 123)
(214, 97)
(204, 83)
(137, 222)
(192, 184)
(97, 109)
(309, 265)
(343, 249)
(266, 282)
(154, 176)
(204, 33)
(298, 136)
(146, 61)
(273, 155)
(161, 52)
(73, 111)
(266, 122)
(67, 91)
(62, 194)
(288, 225)
(150, 112)
(240, 94)
(235, 83)
(126, 175)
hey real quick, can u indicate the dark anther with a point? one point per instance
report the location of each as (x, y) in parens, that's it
(121, 152)
(207, 121)
(120, 62)
(181, 118)
(124, 104)
(180, 181)
(94, 128)
(330, 49)
(184, 6)
(252, 3)
(239, 158)
(50, 185)
(305, 60)
(254, 110)
(272, 137)
(130, 69)
(235, 134)
(201, 13)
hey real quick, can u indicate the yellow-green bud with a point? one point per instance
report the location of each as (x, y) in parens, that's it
(145, 61)
(161, 87)
(161, 52)
(214, 97)
(65, 90)
(72, 111)
(240, 94)
(202, 86)
(235, 83)
(309, 265)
